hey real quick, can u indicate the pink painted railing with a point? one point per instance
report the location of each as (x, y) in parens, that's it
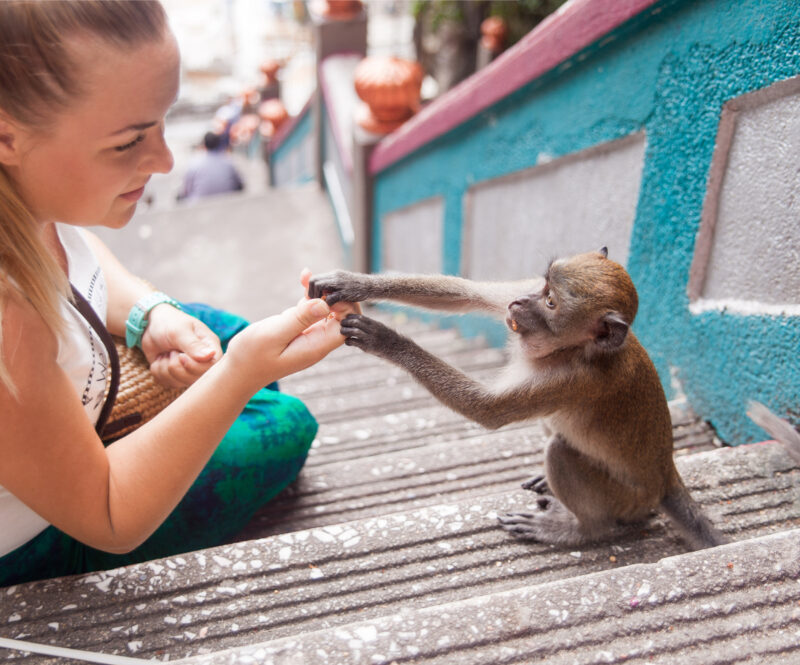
(578, 24)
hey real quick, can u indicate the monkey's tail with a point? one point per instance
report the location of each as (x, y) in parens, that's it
(778, 428)
(688, 517)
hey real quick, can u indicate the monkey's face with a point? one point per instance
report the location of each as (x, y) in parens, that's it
(542, 320)
(583, 298)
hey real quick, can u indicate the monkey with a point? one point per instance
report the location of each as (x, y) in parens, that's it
(778, 428)
(574, 363)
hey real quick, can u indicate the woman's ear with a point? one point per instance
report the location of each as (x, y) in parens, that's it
(9, 142)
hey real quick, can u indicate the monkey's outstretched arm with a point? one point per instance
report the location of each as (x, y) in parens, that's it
(440, 292)
(450, 386)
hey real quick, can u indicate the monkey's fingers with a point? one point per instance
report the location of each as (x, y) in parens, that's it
(358, 324)
(318, 287)
(354, 341)
(351, 325)
(351, 329)
(332, 297)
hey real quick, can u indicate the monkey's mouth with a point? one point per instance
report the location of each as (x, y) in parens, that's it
(513, 324)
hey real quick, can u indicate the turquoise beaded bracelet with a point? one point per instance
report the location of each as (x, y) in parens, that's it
(137, 318)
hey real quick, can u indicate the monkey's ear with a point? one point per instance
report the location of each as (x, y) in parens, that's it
(611, 332)
(604, 251)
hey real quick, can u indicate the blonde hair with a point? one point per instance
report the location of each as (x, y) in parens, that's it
(38, 79)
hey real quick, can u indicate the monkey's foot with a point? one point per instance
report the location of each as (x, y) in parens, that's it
(536, 484)
(552, 523)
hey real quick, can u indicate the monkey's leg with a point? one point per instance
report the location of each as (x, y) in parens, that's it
(586, 506)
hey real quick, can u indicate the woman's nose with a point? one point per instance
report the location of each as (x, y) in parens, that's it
(159, 159)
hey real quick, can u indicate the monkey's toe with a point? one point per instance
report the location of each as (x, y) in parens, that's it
(514, 518)
(521, 525)
(536, 484)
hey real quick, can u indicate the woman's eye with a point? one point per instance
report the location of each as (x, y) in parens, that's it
(128, 146)
(548, 300)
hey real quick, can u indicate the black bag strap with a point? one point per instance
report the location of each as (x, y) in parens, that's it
(88, 313)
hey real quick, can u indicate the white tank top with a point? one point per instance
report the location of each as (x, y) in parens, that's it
(82, 356)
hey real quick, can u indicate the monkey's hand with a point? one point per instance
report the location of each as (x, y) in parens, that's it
(370, 336)
(340, 286)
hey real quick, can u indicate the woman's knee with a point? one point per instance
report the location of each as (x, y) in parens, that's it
(273, 428)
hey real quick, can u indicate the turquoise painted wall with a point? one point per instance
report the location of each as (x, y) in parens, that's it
(295, 141)
(667, 72)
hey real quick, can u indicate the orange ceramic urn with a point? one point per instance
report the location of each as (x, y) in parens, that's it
(493, 34)
(273, 114)
(340, 9)
(390, 89)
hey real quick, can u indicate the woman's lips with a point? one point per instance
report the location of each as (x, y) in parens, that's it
(133, 195)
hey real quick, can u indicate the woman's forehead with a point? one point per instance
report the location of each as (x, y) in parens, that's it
(124, 87)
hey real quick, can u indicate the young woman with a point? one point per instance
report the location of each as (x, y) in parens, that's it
(84, 89)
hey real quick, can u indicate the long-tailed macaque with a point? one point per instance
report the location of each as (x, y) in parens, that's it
(574, 362)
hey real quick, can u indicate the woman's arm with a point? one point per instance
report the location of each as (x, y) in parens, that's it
(178, 347)
(124, 288)
(114, 498)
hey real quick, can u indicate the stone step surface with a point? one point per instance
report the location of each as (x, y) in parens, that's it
(739, 603)
(442, 458)
(334, 577)
(394, 512)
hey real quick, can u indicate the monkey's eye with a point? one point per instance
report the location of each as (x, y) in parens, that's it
(549, 301)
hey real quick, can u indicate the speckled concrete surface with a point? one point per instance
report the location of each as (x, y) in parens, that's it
(736, 603)
(326, 578)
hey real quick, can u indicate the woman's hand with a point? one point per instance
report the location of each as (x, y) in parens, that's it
(179, 347)
(296, 338)
(280, 345)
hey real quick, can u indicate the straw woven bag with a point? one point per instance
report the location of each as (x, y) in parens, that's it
(139, 396)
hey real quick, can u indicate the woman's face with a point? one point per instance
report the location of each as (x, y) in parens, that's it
(91, 165)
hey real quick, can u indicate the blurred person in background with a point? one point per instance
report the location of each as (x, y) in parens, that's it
(211, 172)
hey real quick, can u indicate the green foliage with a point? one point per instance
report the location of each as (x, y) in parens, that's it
(438, 12)
(522, 16)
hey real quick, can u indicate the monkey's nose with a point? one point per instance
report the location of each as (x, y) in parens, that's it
(522, 301)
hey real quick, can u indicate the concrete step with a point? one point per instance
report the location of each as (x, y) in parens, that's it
(739, 603)
(416, 426)
(350, 362)
(447, 558)
(368, 466)
(374, 485)
(354, 370)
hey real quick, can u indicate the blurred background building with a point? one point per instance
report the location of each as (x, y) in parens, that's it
(224, 44)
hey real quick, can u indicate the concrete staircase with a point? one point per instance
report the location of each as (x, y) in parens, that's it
(387, 550)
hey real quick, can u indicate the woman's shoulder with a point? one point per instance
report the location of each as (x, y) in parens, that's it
(26, 337)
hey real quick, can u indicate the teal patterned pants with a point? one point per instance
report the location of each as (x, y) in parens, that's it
(260, 455)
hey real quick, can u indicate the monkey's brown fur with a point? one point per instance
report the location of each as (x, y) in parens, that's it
(575, 363)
